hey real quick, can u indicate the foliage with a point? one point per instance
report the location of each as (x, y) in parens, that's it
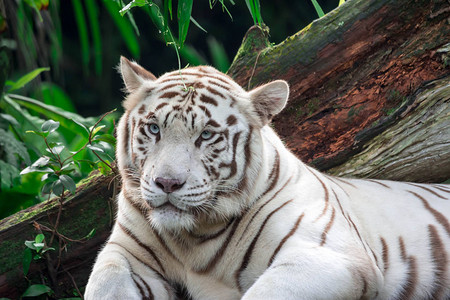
(60, 158)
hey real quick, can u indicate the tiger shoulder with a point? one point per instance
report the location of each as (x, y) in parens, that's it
(213, 204)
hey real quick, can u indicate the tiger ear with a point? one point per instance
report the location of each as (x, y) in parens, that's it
(133, 75)
(269, 99)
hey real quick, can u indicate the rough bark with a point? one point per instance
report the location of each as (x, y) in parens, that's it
(348, 71)
(90, 208)
(370, 96)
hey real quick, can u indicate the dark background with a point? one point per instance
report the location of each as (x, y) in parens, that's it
(93, 94)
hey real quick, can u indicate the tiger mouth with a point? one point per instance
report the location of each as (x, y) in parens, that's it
(169, 207)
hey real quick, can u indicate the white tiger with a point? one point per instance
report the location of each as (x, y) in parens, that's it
(213, 202)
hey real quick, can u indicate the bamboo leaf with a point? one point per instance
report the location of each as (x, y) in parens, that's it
(124, 26)
(318, 8)
(218, 55)
(198, 25)
(82, 33)
(92, 12)
(184, 18)
(26, 79)
(66, 119)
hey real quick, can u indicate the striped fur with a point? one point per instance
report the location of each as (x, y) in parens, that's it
(213, 202)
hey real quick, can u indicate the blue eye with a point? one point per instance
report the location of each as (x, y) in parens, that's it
(206, 134)
(154, 129)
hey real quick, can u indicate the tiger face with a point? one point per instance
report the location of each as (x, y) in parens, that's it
(185, 157)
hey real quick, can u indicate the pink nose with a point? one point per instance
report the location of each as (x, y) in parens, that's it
(168, 185)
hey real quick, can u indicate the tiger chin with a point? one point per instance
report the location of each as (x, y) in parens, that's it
(214, 203)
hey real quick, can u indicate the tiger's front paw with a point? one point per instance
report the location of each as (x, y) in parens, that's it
(112, 282)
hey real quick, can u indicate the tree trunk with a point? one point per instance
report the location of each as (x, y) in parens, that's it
(348, 72)
(370, 93)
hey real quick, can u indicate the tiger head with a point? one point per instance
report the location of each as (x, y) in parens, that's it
(189, 144)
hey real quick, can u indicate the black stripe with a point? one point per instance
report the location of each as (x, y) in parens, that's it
(248, 254)
(427, 189)
(327, 196)
(213, 261)
(232, 165)
(378, 182)
(147, 287)
(385, 254)
(286, 237)
(147, 248)
(208, 100)
(261, 207)
(439, 255)
(165, 246)
(411, 281)
(274, 173)
(160, 276)
(327, 228)
(437, 215)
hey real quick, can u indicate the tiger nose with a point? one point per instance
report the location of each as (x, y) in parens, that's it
(168, 185)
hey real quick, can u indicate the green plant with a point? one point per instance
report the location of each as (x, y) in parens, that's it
(66, 155)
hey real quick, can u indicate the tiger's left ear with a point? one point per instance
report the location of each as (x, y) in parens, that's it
(133, 75)
(269, 99)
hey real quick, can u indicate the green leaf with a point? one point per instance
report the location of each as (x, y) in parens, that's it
(52, 94)
(40, 165)
(68, 120)
(41, 162)
(26, 79)
(10, 119)
(47, 188)
(47, 249)
(68, 183)
(26, 261)
(134, 3)
(318, 8)
(92, 12)
(11, 147)
(97, 129)
(39, 246)
(125, 28)
(49, 126)
(341, 2)
(39, 238)
(107, 138)
(30, 245)
(57, 149)
(36, 290)
(95, 148)
(255, 10)
(83, 33)
(90, 234)
(218, 54)
(58, 187)
(184, 17)
(167, 10)
(8, 174)
(103, 168)
(198, 25)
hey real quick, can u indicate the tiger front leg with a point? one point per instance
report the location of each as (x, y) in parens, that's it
(114, 278)
(319, 273)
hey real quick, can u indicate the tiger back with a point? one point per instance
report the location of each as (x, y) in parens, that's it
(214, 203)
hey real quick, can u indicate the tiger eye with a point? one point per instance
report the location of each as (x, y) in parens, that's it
(154, 129)
(206, 134)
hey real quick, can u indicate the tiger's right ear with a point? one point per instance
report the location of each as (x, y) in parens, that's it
(133, 75)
